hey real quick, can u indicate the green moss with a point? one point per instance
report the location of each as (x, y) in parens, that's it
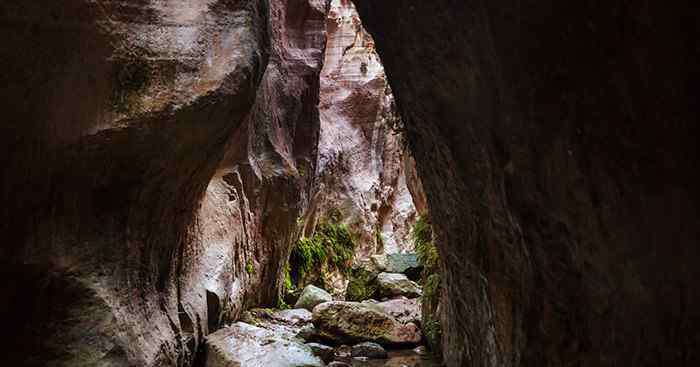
(429, 258)
(281, 304)
(422, 236)
(130, 77)
(331, 244)
(362, 285)
(378, 239)
(431, 324)
(249, 267)
(288, 284)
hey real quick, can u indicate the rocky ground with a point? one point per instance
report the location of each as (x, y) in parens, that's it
(323, 332)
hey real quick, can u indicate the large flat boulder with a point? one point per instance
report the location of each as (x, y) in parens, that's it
(353, 322)
(245, 345)
(395, 284)
(292, 323)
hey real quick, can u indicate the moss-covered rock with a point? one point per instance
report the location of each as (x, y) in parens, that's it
(352, 322)
(362, 285)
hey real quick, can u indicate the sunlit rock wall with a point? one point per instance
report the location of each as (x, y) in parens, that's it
(361, 155)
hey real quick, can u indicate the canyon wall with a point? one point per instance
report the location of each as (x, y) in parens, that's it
(557, 144)
(361, 158)
(150, 170)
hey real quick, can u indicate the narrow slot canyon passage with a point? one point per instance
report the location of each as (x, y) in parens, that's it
(296, 183)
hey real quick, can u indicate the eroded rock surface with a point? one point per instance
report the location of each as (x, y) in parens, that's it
(150, 173)
(361, 162)
(403, 309)
(557, 145)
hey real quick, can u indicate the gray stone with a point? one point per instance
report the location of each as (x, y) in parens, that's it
(369, 350)
(312, 296)
(400, 263)
(245, 345)
(322, 351)
(394, 284)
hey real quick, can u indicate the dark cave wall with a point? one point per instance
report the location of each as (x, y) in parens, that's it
(150, 152)
(557, 145)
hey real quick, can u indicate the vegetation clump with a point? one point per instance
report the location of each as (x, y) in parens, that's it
(429, 258)
(331, 246)
(362, 285)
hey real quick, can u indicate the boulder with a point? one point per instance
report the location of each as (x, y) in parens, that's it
(322, 351)
(395, 284)
(353, 322)
(294, 323)
(402, 263)
(369, 350)
(378, 262)
(404, 310)
(245, 345)
(312, 296)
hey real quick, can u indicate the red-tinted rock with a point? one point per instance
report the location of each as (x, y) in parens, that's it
(150, 179)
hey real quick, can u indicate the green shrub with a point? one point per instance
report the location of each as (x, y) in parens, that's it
(429, 258)
(362, 285)
(421, 235)
(331, 244)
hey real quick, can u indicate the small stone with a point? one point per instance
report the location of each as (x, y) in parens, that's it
(312, 296)
(307, 332)
(338, 364)
(342, 353)
(369, 350)
(420, 350)
(322, 351)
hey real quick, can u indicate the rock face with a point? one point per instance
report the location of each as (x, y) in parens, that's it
(150, 173)
(352, 322)
(360, 161)
(557, 145)
(243, 345)
(394, 285)
(312, 296)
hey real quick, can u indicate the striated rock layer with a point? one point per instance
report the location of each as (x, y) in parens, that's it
(556, 142)
(150, 170)
(360, 158)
